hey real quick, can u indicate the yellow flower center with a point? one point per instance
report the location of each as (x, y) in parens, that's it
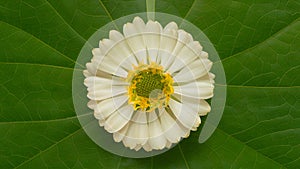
(150, 87)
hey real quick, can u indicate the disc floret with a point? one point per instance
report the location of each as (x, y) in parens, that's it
(150, 87)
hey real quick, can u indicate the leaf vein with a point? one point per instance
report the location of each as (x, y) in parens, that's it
(260, 43)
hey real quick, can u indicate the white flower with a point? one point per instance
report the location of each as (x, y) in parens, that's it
(147, 86)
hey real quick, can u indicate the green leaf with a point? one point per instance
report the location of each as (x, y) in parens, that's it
(258, 42)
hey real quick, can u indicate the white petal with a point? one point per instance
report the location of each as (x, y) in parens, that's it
(157, 139)
(135, 41)
(138, 130)
(171, 26)
(198, 105)
(97, 59)
(104, 91)
(92, 104)
(138, 147)
(155, 115)
(121, 52)
(203, 108)
(129, 30)
(193, 71)
(140, 121)
(172, 131)
(115, 36)
(168, 42)
(106, 64)
(128, 62)
(187, 54)
(196, 124)
(129, 142)
(139, 24)
(94, 81)
(105, 45)
(101, 123)
(92, 69)
(211, 77)
(119, 135)
(110, 66)
(185, 115)
(119, 119)
(96, 53)
(168, 144)
(147, 147)
(122, 55)
(198, 89)
(183, 39)
(86, 73)
(152, 39)
(106, 107)
(196, 47)
(204, 54)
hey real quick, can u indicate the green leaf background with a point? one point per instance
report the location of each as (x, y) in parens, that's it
(257, 40)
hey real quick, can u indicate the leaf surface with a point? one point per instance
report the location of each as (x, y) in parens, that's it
(258, 42)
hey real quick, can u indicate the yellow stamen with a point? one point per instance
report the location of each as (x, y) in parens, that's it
(150, 87)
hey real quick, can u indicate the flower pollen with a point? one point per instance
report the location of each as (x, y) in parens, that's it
(150, 87)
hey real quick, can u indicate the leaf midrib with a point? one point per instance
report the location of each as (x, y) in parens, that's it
(225, 59)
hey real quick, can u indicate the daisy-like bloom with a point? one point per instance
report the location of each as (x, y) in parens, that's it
(148, 85)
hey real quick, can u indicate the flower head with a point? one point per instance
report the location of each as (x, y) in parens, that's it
(148, 85)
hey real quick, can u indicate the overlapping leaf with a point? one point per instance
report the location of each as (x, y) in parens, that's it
(257, 40)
